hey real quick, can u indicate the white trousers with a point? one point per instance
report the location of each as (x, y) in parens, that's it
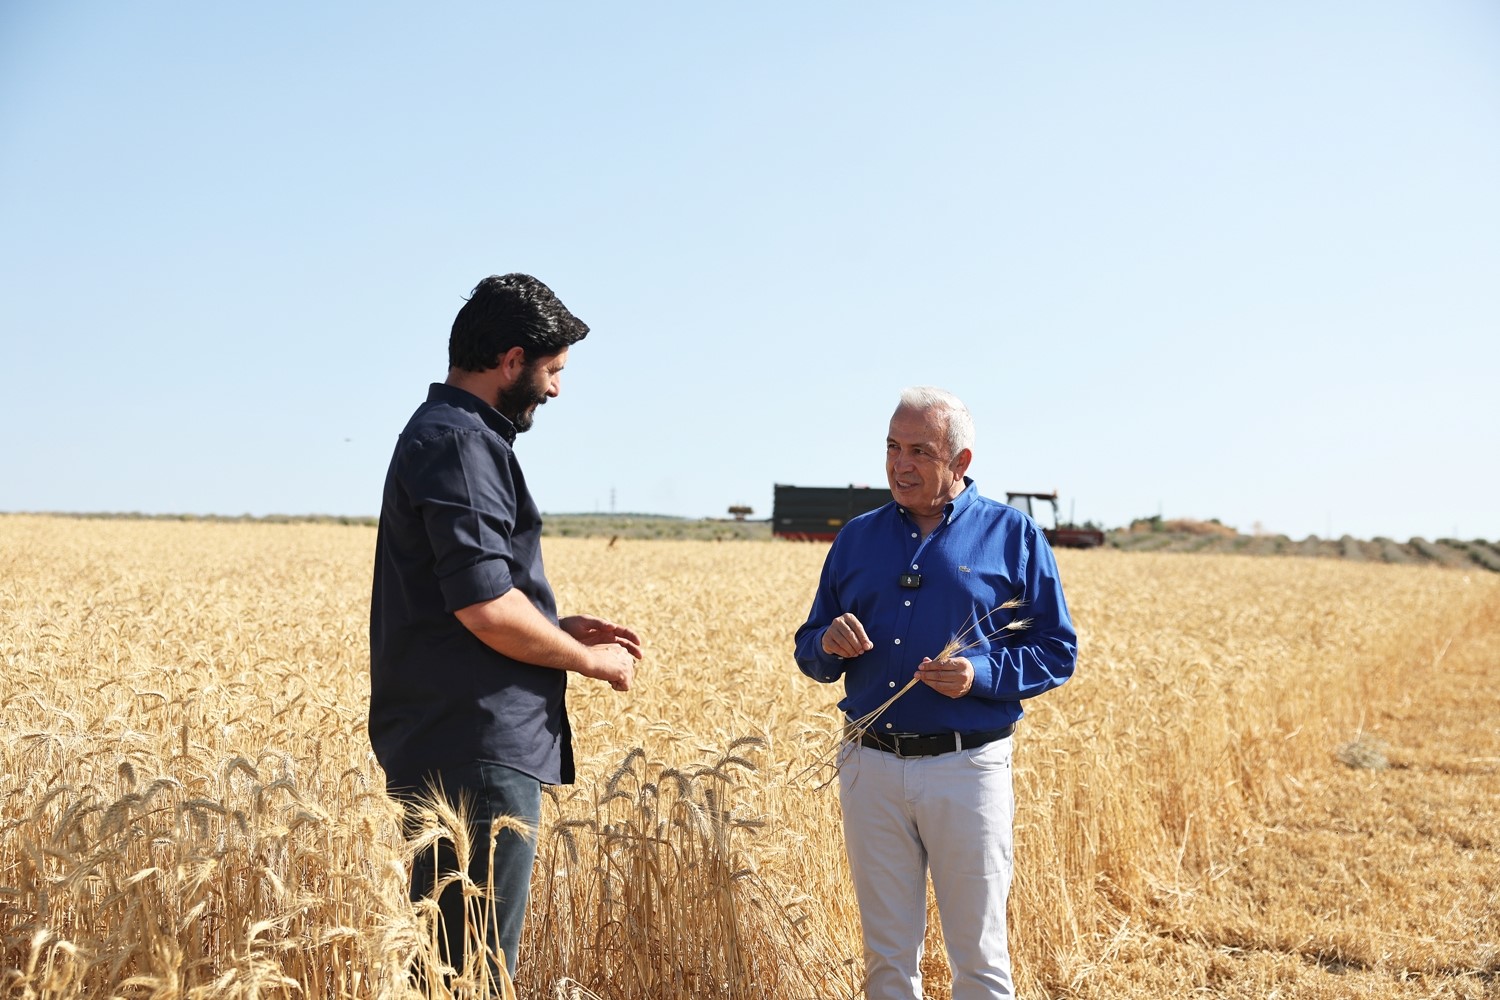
(951, 815)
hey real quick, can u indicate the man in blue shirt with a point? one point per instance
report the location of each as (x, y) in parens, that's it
(468, 658)
(925, 785)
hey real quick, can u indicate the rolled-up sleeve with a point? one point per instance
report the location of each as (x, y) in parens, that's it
(462, 486)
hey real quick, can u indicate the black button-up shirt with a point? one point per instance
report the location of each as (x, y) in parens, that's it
(458, 527)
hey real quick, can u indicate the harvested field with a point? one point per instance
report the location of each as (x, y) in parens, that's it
(1211, 537)
(1271, 776)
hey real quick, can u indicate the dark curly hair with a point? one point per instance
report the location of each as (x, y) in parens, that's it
(510, 310)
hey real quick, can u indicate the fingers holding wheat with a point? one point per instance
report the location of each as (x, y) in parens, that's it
(953, 677)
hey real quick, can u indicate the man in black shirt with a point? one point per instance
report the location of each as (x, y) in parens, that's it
(468, 658)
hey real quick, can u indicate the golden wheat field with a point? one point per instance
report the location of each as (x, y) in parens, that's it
(1270, 777)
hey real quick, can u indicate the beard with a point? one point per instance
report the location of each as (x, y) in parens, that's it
(519, 403)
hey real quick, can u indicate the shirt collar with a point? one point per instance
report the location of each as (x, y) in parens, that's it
(958, 504)
(441, 392)
(961, 503)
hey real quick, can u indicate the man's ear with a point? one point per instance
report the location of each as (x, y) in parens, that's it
(510, 365)
(961, 462)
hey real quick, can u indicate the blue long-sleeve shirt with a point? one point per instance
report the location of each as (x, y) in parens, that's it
(982, 555)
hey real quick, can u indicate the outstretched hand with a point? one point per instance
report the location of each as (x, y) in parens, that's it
(593, 631)
(612, 649)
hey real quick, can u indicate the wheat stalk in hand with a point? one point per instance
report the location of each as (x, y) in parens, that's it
(971, 638)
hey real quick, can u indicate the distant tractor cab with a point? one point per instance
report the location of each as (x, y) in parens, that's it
(1062, 535)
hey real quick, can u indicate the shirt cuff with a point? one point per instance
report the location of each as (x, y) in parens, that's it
(475, 584)
(986, 675)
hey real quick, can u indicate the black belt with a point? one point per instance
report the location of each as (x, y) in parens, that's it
(930, 745)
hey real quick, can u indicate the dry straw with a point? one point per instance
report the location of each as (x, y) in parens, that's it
(435, 819)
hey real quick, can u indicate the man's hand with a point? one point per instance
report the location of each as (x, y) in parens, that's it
(590, 646)
(613, 663)
(608, 645)
(593, 631)
(952, 677)
(846, 638)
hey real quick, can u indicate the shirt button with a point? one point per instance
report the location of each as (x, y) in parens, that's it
(914, 534)
(913, 566)
(892, 684)
(887, 725)
(908, 604)
(898, 642)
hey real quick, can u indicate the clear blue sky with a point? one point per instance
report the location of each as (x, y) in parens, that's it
(1205, 260)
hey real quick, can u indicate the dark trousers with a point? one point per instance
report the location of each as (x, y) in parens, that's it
(486, 792)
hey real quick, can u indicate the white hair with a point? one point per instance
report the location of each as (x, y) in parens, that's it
(960, 426)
